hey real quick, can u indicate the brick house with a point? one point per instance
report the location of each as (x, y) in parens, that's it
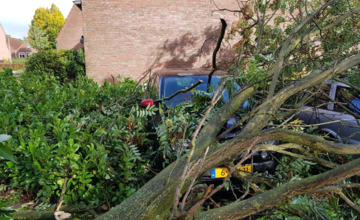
(20, 49)
(128, 37)
(4, 50)
(24, 49)
(70, 35)
(14, 45)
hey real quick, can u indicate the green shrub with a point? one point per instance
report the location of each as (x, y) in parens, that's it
(19, 60)
(5, 213)
(76, 63)
(63, 64)
(354, 77)
(93, 135)
(7, 71)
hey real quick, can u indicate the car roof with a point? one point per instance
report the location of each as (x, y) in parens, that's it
(187, 72)
(337, 83)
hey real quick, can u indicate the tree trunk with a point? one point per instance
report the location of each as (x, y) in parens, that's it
(281, 194)
(155, 198)
(33, 215)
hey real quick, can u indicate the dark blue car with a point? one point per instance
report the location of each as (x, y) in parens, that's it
(171, 81)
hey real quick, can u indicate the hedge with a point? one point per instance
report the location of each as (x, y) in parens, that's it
(13, 66)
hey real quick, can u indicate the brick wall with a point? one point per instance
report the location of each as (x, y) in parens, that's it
(72, 30)
(4, 50)
(126, 37)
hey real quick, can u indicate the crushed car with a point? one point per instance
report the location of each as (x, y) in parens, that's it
(170, 81)
(335, 111)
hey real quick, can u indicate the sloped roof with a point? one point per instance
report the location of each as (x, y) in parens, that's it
(25, 47)
(14, 44)
(72, 30)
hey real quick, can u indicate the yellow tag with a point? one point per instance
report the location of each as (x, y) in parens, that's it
(245, 169)
(221, 172)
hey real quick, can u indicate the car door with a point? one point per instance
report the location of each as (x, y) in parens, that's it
(329, 116)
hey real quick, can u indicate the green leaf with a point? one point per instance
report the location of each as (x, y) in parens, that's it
(4, 137)
(6, 153)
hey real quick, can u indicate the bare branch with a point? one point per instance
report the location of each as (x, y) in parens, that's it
(338, 190)
(287, 47)
(283, 193)
(180, 91)
(348, 201)
(186, 170)
(216, 50)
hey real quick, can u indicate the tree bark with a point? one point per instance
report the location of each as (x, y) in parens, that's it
(34, 215)
(281, 194)
(154, 199)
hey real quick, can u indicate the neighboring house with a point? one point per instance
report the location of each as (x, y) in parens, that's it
(128, 37)
(24, 49)
(4, 50)
(71, 33)
(20, 49)
(14, 45)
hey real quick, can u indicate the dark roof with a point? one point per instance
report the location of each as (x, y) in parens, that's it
(78, 4)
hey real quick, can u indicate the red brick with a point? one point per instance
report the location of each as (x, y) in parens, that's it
(124, 37)
(72, 30)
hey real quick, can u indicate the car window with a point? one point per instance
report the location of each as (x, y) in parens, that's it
(172, 84)
(355, 105)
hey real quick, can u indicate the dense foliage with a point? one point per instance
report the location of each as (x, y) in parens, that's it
(39, 39)
(63, 64)
(99, 145)
(93, 136)
(45, 26)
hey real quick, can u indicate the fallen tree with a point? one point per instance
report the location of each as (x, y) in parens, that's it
(281, 87)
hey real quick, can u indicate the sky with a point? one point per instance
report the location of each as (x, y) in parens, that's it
(16, 15)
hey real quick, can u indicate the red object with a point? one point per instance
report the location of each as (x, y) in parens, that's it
(147, 102)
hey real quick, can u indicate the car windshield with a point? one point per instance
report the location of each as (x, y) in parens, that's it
(171, 85)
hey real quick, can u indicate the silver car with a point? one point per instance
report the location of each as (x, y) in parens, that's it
(331, 117)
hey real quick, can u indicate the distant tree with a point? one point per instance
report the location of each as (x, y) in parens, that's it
(38, 39)
(50, 21)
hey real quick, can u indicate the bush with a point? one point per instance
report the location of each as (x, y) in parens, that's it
(19, 60)
(94, 136)
(14, 66)
(63, 64)
(75, 65)
(7, 71)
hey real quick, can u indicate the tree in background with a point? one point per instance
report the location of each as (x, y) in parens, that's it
(38, 38)
(48, 20)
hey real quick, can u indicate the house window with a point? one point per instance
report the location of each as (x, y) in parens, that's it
(23, 55)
